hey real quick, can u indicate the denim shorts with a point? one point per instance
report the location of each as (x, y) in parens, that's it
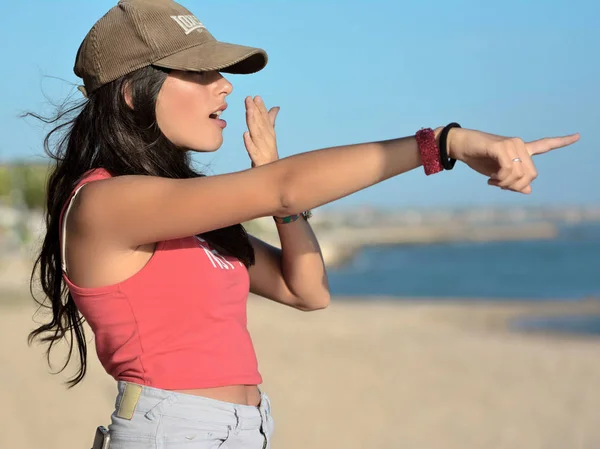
(147, 417)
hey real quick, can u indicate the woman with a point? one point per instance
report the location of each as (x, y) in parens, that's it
(152, 254)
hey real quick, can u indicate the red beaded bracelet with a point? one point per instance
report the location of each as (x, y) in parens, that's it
(430, 152)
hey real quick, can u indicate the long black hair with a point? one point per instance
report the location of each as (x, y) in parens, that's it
(102, 131)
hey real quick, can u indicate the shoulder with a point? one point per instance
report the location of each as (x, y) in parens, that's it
(94, 174)
(73, 202)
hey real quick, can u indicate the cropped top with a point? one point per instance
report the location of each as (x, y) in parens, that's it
(178, 323)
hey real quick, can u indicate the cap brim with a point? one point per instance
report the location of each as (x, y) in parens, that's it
(215, 55)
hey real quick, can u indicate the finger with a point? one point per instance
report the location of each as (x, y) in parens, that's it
(248, 105)
(529, 170)
(249, 144)
(250, 115)
(508, 175)
(268, 124)
(250, 108)
(260, 104)
(261, 116)
(524, 171)
(505, 165)
(493, 182)
(273, 115)
(254, 120)
(551, 143)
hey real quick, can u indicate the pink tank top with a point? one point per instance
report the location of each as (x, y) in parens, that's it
(179, 323)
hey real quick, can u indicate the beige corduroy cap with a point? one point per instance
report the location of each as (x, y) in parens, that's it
(139, 33)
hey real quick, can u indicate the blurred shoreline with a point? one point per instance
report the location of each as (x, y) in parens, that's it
(343, 233)
(339, 246)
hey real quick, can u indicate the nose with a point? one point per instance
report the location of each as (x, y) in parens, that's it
(225, 87)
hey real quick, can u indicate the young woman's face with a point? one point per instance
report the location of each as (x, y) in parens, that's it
(186, 109)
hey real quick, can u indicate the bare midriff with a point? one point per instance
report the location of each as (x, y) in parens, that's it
(236, 394)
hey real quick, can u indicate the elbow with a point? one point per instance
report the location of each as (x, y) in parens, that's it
(320, 303)
(286, 206)
(288, 198)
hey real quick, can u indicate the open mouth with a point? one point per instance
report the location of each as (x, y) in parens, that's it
(215, 115)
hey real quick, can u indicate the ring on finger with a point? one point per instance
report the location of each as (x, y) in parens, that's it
(517, 159)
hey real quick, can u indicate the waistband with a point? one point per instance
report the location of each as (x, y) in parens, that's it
(133, 399)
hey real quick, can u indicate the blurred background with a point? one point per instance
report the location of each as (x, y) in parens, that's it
(462, 316)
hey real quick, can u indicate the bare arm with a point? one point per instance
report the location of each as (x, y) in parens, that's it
(294, 275)
(322, 176)
(137, 210)
(302, 264)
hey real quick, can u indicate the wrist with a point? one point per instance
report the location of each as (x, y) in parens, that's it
(428, 144)
(258, 164)
(434, 148)
(453, 141)
(292, 218)
(436, 134)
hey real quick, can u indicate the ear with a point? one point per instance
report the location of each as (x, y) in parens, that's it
(126, 91)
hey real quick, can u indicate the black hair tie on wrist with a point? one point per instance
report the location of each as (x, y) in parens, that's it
(447, 162)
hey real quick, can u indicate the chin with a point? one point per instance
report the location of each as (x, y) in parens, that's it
(207, 147)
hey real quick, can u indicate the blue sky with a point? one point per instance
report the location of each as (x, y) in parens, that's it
(355, 71)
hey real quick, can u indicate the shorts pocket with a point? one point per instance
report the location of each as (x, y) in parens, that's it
(136, 433)
(120, 440)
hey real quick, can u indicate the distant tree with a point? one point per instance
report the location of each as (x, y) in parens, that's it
(5, 183)
(27, 181)
(34, 185)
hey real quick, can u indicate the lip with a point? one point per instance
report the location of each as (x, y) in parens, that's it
(221, 108)
(220, 123)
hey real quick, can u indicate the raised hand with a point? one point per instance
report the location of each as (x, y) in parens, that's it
(260, 139)
(506, 160)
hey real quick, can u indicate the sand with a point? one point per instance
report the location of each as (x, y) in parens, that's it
(378, 374)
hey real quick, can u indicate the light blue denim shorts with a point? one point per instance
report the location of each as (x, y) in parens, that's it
(147, 417)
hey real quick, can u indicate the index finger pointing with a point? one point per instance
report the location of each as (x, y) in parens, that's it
(550, 143)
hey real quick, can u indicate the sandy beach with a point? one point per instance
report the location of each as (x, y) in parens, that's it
(379, 374)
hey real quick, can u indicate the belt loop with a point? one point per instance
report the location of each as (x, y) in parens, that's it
(129, 400)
